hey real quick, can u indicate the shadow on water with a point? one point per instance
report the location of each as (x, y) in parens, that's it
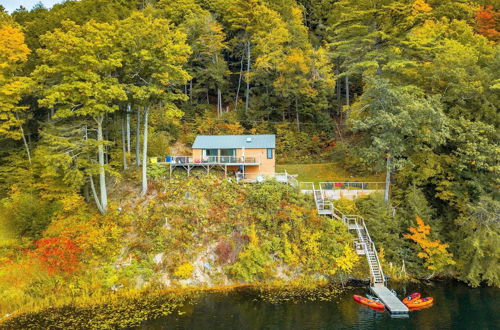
(456, 306)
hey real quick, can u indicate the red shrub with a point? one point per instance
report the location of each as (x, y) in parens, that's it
(224, 252)
(58, 254)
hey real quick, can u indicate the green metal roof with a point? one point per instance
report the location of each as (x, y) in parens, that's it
(234, 141)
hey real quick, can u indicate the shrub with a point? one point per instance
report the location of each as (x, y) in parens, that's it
(184, 271)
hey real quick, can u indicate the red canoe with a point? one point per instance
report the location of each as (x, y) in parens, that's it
(368, 302)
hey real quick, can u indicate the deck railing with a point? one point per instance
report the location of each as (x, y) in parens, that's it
(347, 185)
(213, 160)
(282, 177)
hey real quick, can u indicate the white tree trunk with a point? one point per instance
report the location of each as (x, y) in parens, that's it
(387, 178)
(128, 128)
(239, 82)
(247, 96)
(145, 154)
(124, 143)
(102, 172)
(94, 193)
(219, 102)
(138, 139)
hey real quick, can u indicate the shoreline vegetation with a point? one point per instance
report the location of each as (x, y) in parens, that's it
(131, 308)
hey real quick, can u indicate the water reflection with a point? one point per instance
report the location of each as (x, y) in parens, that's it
(455, 307)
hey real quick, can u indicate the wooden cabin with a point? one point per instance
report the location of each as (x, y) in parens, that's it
(251, 157)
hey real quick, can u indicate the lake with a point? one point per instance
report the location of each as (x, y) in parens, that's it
(456, 306)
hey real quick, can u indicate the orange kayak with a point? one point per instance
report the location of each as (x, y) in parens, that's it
(412, 297)
(420, 302)
(368, 302)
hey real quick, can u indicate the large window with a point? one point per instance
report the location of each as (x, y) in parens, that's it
(269, 153)
(228, 152)
(228, 155)
(210, 152)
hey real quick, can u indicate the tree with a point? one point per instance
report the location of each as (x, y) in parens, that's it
(77, 78)
(488, 22)
(207, 60)
(434, 253)
(397, 122)
(13, 54)
(479, 248)
(154, 55)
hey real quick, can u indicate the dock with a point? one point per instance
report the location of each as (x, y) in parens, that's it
(391, 302)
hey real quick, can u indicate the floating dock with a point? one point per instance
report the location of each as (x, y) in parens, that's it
(389, 299)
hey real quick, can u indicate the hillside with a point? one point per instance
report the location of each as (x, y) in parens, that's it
(204, 231)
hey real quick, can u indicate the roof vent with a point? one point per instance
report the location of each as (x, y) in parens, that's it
(249, 139)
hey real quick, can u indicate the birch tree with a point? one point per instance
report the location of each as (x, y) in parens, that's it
(154, 55)
(77, 75)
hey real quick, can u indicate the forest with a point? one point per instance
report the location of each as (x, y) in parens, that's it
(90, 89)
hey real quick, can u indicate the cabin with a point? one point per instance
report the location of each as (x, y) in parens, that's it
(249, 157)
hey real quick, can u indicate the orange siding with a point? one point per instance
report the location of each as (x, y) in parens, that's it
(267, 166)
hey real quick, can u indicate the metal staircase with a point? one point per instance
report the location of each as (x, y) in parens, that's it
(363, 246)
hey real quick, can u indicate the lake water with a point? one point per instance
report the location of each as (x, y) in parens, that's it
(456, 306)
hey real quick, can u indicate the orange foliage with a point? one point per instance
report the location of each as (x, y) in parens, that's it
(57, 254)
(435, 253)
(488, 22)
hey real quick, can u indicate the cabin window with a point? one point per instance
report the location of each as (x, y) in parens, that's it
(269, 153)
(211, 152)
(228, 155)
(228, 152)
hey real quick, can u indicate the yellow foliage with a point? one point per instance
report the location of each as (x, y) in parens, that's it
(184, 271)
(420, 6)
(435, 253)
(348, 260)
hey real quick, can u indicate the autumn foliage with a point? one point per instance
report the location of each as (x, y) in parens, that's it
(488, 23)
(58, 254)
(434, 253)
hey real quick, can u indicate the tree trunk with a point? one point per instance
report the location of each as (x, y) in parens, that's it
(94, 193)
(28, 153)
(339, 97)
(297, 114)
(239, 82)
(347, 101)
(145, 154)
(387, 177)
(138, 139)
(129, 149)
(102, 172)
(26, 146)
(191, 90)
(124, 143)
(247, 94)
(219, 102)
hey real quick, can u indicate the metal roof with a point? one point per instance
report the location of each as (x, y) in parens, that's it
(234, 141)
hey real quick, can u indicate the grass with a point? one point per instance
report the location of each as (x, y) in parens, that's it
(325, 173)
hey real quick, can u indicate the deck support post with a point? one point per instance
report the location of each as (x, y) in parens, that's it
(225, 171)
